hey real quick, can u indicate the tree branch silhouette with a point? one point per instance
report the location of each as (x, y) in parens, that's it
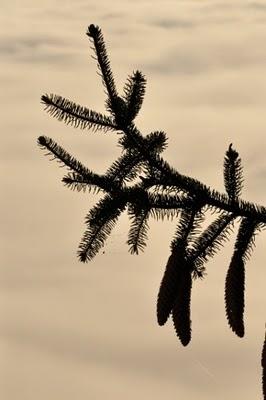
(143, 183)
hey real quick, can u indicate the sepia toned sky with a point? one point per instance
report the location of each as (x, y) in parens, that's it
(88, 331)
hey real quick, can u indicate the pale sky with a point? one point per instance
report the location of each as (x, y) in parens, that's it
(88, 331)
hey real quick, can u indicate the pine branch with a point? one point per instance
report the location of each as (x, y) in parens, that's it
(76, 115)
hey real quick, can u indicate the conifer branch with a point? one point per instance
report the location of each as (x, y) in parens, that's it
(167, 206)
(96, 233)
(134, 92)
(76, 115)
(142, 181)
(90, 181)
(61, 155)
(210, 240)
(185, 227)
(233, 179)
(137, 235)
(95, 33)
(154, 142)
(126, 168)
(168, 176)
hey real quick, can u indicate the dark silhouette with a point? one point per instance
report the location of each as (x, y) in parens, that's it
(142, 182)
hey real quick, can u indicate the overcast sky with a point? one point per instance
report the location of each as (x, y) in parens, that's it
(74, 331)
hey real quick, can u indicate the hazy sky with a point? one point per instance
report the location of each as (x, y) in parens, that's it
(75, 331)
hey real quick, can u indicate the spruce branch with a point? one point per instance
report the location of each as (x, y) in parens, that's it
(134, 91)
(186, 226)
(145, 184)
(100, 221)
(167, 206)
(169, 176)
(95, 33)
(79, 182)
(61, 155)
(126, 168)
(233, 179)
(245, 240)
(137, 235)
(155, 142)
(210, 240)
(76, 115)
